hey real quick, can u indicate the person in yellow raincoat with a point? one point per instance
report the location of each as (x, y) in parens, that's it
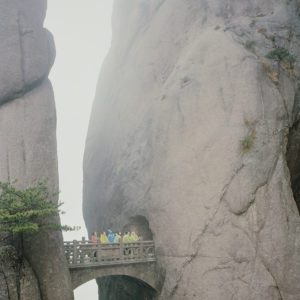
(103, 237)
(117, 237)
(126, 238)
(134, 237)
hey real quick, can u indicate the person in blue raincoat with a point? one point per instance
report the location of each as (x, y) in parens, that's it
(110, 236)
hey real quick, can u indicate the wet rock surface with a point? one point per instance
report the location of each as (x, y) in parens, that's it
(189, 129)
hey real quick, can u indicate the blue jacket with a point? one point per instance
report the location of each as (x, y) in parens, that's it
(110, 236)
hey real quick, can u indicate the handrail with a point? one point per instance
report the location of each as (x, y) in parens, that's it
(84, 253)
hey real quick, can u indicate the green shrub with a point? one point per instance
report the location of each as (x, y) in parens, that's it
(247, 142)
(281, 54)
(28, 210)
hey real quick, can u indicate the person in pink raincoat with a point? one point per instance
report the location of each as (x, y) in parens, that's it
(94, 238)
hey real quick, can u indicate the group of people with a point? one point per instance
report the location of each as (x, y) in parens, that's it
(111, 237)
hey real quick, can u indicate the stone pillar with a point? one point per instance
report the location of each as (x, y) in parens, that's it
(28, 129)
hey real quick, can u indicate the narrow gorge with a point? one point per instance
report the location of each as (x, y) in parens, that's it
(193, 142)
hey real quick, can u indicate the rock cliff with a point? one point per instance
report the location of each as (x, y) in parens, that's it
(194, 140)
(28, 146)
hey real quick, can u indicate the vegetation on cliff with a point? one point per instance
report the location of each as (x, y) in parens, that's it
(281, 54)
(28, 210)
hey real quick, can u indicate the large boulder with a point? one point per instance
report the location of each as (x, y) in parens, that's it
(27, 49)
(189, 133)
(28, 145)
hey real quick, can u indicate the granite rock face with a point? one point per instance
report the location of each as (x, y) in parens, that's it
(27, 49)
(12, 272)
(194, 131)
(28, 143)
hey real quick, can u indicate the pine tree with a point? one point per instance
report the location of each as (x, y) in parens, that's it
(28, 210)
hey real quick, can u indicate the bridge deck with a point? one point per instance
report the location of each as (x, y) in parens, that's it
(82, 254)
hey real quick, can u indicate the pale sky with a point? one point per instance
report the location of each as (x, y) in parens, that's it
(82, 33)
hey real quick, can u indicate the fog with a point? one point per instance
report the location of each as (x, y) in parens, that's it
(82, 33)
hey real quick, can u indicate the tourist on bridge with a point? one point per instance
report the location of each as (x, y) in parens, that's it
(117, 237)
(95, 240)
(126, 237)
(133, 237)
(94, 237)
(103, 238)
(110, 236)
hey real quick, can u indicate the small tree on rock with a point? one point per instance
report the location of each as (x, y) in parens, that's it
(28, 210)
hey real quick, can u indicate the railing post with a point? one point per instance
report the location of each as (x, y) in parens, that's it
(67, 252)
(75, 252)
(153, 250)
(121, 249)
(141, 249)
(99, 253)
(83, 250)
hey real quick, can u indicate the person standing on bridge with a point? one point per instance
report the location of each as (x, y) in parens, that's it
(103, 238)
(110, 236)
(134, 237)
(94, 237)
(94, 241)
(126, 238)
(117, 237)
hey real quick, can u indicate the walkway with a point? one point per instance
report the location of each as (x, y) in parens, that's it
(89, 260)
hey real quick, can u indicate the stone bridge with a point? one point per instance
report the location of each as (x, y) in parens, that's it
(89, 261)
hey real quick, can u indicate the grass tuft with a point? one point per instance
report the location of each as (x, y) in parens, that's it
(248, 141)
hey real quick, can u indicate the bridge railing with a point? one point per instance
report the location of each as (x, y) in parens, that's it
(84, 252)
